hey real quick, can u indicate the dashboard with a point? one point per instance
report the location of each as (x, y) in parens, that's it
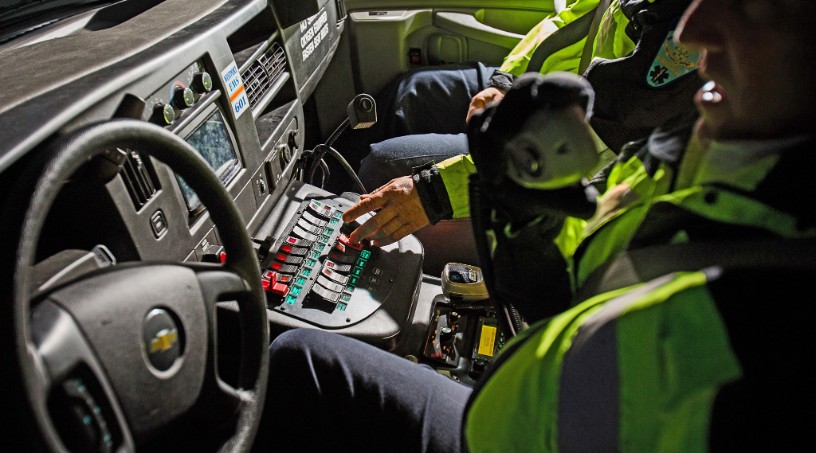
(232, 79)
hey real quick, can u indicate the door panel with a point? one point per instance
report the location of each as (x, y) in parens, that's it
(434, 32)
(378, 36)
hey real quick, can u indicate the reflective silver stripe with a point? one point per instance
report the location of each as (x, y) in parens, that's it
(589, 391)
(309, 227)
(325, 293)
(336, 276)
(304, 234)
(312, 219)
(328, 284)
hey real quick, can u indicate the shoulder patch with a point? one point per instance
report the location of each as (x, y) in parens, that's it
(672, 61)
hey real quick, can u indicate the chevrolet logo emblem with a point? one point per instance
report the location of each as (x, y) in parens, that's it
(163, 341)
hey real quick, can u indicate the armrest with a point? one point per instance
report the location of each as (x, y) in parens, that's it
(469, 27)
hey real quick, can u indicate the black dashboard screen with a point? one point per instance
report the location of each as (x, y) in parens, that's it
(213, 142)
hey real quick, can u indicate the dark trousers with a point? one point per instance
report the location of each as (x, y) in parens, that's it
(430, 100)
(332, 393)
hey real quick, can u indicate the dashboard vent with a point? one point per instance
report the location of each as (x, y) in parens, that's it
(140, 183)
(263, 72)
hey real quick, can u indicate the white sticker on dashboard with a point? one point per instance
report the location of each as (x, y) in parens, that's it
(231, 78)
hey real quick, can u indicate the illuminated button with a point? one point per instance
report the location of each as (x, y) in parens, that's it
(295, 290)
(340, 247)
(361, 262)
(312, 219)
(337, 267)
(276, 266)
(325, 238)
(286, 249)
(345, 296)
(163, 114)
(291, 299)
(314, 254)
(357, 271)
(365, 254)
(352, 281)
(267, 275)
(300, 281)
(328, 284)
(341, 306)
(306, 272)
(284, 278)
(183, 97)
(300, 232)
(334, 276)
(310, 262)
(309, 227)
(337, 214)
(202, 82)
(334, 221)
(319, 246)
(298, 241)
(325, 293)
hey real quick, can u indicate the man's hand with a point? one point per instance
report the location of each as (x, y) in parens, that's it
(482, 98)
(400, 213)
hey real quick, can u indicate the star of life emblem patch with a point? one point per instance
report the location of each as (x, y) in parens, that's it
(672, 61)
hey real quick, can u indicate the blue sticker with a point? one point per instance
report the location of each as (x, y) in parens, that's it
(672, 62)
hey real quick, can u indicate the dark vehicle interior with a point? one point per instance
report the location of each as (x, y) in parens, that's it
(157, 216)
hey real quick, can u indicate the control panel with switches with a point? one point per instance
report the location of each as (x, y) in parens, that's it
(313, 272)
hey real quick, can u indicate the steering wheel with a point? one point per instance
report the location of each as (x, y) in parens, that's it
(129, 351)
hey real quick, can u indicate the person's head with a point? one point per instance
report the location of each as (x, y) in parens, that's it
(760, 56)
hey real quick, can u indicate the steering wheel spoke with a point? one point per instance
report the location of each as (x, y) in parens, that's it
(219, 285)
(81, 402)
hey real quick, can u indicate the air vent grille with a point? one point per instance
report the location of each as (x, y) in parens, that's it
(140, 183)
(263, 73)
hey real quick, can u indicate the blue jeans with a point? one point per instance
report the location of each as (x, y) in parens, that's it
(396, 157)
(332, 393)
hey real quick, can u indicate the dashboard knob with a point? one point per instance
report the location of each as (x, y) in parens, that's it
(202, 82)
(183, 97)
(446, 335)
(163, 114)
